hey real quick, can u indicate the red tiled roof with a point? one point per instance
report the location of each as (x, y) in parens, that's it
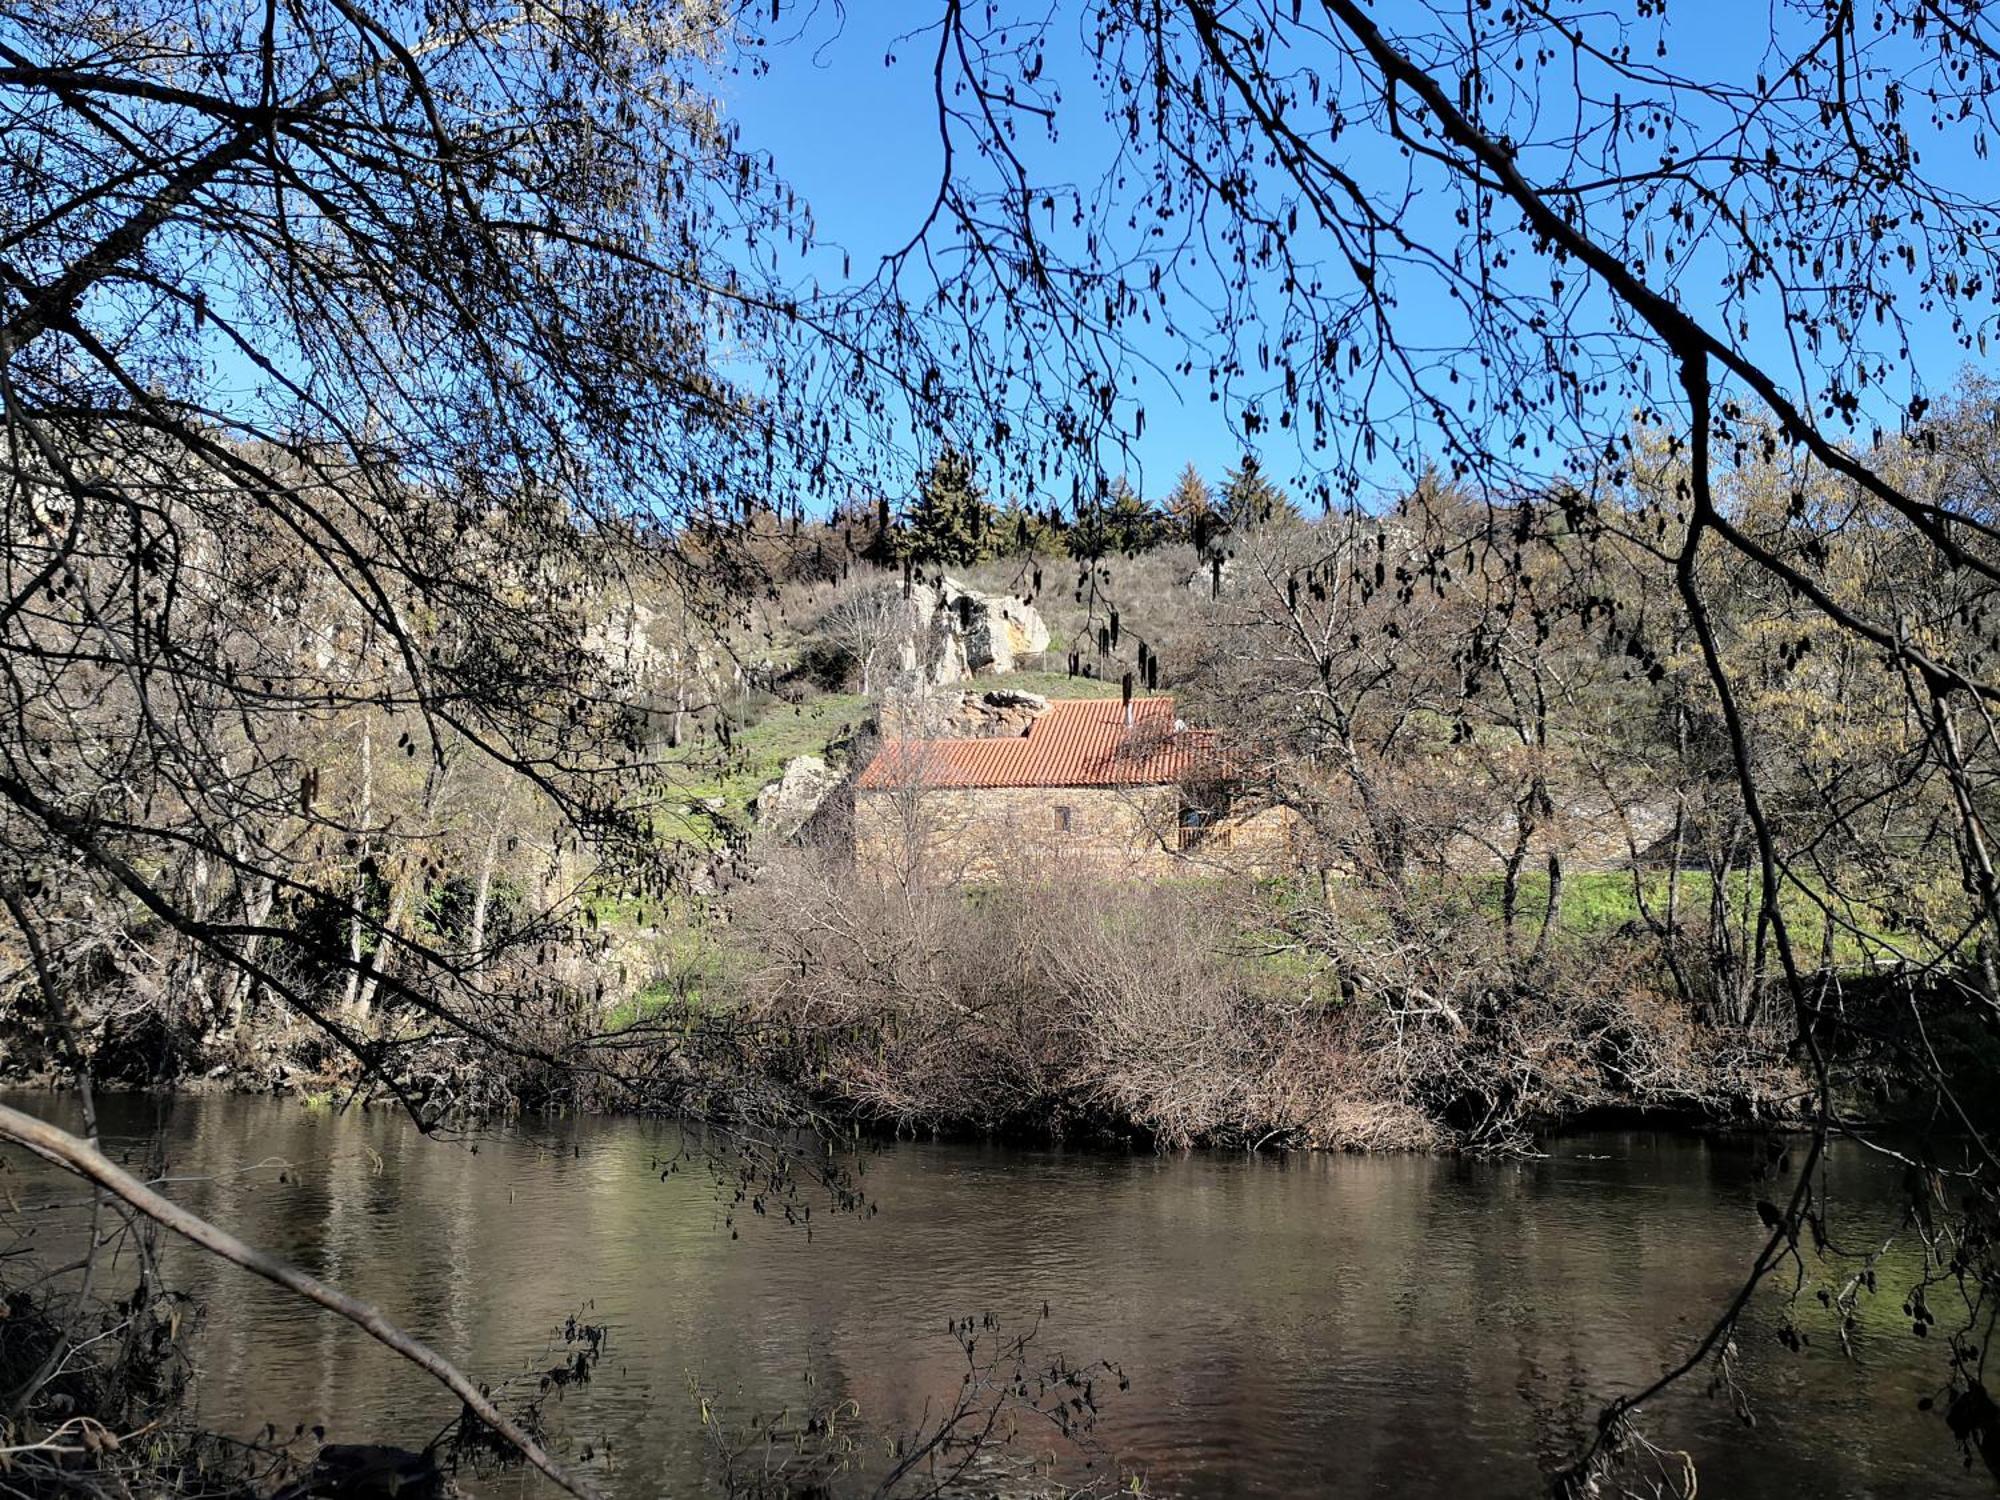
(1077, 742)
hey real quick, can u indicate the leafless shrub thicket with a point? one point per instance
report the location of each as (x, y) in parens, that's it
(94, 1385)
(1057, 1002)
(1492, 1046)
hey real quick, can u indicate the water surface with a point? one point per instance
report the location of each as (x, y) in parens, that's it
(1344, 1326)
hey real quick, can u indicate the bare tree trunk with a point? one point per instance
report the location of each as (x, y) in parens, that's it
(1753, 994)
(1552, 916)
(256, 912)
(1677, 858)
(406, 883)
(1667, 930)
(1383, 830)
(1971, 838)
(484, 896)
(1510, 880)
(1730, 960)
(351, 999)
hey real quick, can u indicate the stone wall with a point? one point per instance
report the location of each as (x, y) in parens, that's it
(994, 832)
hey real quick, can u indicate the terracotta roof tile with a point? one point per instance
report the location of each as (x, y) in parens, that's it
(1077, 742)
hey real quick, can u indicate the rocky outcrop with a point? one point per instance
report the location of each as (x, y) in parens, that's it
(944, 714)
(786, 805)
(998, 629)
(932, 651)
(623, 639)
(995, 715)
(953, 631)
(1212, 578)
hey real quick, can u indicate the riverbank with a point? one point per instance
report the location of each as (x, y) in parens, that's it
(1232, 1015)
(1162, 1044)
(1220, 1014)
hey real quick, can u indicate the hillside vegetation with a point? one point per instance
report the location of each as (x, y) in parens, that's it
(1522, 891)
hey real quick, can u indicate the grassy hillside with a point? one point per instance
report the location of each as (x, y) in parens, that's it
(758, 752)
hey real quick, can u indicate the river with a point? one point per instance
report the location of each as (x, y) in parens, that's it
(1343, 1326)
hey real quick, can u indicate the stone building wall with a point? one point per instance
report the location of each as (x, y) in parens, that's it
(989, 832)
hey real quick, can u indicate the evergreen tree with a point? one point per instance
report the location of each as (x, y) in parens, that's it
(1250, 501)
(949, 521)
(1193, 516)
(1023, 531)
(1119, 520)
(1133, 524)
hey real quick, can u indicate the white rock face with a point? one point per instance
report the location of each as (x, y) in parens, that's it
(786, 805)
(1212, 579)
(996, 628)
(624, 639)
(933, 650)
(954, 632)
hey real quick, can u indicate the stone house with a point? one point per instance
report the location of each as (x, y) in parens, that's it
(1126, 789)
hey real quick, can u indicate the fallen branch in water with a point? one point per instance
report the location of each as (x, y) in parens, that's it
(74, 1154)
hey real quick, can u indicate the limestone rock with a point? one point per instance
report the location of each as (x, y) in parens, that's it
(1015, 698)
(951, 632)
(786, 805)
(932, 652)
(995, 715)
(1212, 579)
(943, 714)
(996, 629)
(623, 640)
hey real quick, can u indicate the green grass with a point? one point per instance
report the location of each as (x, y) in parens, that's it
(1599, 903)
(692, 977)
(757, 754)
(656, 1001)
(647, 1004)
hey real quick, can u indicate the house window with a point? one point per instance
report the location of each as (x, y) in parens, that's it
(1065, 820)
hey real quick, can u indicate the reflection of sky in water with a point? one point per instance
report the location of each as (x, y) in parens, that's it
(1346, 1326)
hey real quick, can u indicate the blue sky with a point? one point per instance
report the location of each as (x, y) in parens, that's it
(859, 140)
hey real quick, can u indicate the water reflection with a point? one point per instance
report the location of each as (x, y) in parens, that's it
(1343, 1326)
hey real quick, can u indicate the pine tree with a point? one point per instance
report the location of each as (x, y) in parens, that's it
(949, 521)
(1134, 525)
(1023, 531)
(1119, 520)
(1250, 501)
